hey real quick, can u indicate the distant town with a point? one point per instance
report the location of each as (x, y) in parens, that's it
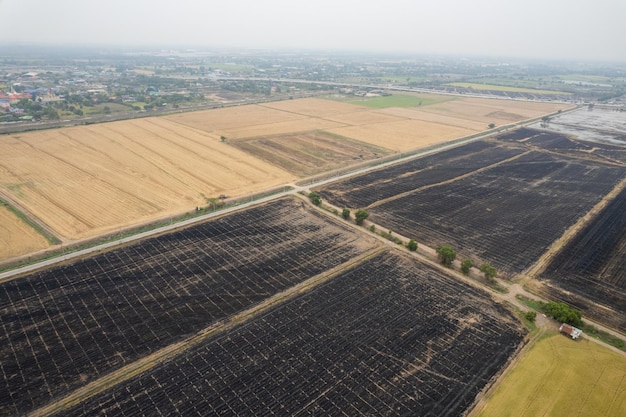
(49, 87)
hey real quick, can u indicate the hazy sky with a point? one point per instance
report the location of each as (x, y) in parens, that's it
(573, 29)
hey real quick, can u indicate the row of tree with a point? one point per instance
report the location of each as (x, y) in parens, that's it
(447, 255)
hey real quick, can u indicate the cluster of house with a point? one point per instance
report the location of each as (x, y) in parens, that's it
(10, 98)
(41, 95)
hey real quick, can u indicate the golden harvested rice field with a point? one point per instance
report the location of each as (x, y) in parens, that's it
(88, 180)
(495, 111)
(403, 135)
(16, 237)
(561, 377)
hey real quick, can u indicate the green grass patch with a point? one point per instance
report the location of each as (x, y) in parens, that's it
(494, 87)
(560, 377)
(607, 338)
(397, 100)
(530, 303)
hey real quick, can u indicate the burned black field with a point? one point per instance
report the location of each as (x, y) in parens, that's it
(390, 337)
(506, 209)
(65, 326)
(592, 267)
(390, 182)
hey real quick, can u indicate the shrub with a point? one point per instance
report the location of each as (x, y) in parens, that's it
(345, 213)
(360, 216)
(466, 265)
(489, 271)
(531, 316)
(412, 245)
(315, 198)
(446, 254)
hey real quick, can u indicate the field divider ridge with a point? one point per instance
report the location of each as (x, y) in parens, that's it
(449, 181)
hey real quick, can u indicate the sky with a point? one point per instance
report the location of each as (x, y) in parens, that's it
(548, 29)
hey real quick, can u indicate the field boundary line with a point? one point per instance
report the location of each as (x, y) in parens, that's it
(572, 231)
(169, 352)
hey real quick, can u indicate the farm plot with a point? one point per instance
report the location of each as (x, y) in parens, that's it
(507, 214)
(562, 378)
(62, 327)
(568, 145)
(377, 186)
(403, 135)
(308, 153)
(494, 111)
(88, 180)
(316, 107)
(599, 125)
(592, 266)
(219, 120)
(389, 337)
(17, 237)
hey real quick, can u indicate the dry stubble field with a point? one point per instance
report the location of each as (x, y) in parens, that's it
(16, 237)
(88, 180)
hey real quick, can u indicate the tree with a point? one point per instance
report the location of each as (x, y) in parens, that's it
(51, 113)
(531, 316)
(492, 125)
(315, 198)
(561, 312)
(466, 265)
(360, 216)
(412, 245)
(345, 213)
(107, 110)
(223, 138)
(446, 254)
(489, 271)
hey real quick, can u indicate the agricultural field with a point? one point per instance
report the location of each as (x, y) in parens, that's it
(596, 125)
(506, 88)
(506, 209)
(560, 378)
(403, 135)
(400, 100)
(91, 180)
(62, 327)
(308, 153)
(590, 271)
(499, 112)
(87, 180)
(377, 186)
(16, 237)
(389, 337)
